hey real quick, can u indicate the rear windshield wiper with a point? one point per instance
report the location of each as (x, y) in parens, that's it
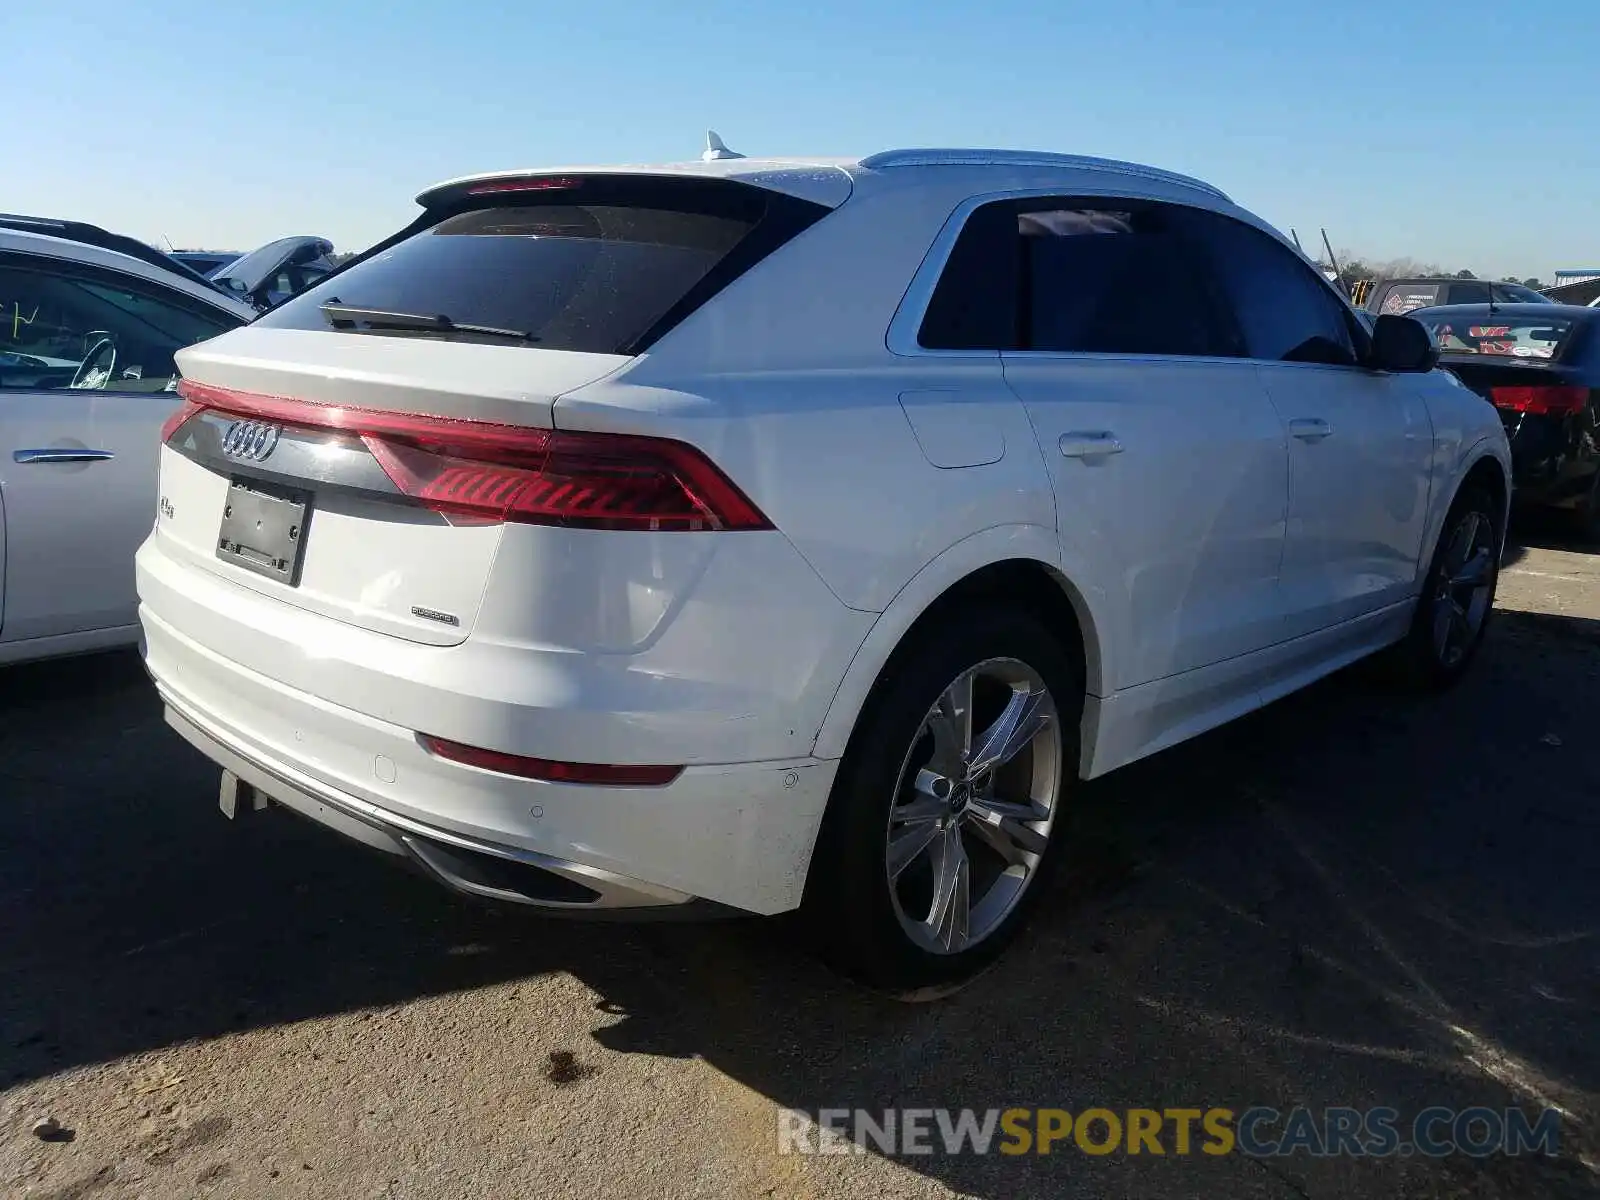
(382, 318)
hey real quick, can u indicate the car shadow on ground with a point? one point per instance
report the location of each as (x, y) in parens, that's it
(1354, 897)
(1545, 529)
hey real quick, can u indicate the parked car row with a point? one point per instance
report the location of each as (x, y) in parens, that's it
(1535, 360)
(1400, 296)
(753, 535)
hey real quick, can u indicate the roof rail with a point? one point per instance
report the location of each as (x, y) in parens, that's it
(1030, 158)
(93, 235)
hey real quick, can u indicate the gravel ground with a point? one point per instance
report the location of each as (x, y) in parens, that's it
(1354, 897)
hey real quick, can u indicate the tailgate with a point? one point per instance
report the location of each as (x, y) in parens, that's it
(261, 485)
(358, 450)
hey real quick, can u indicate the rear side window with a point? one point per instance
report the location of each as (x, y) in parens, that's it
(1072, 279)
(1469, 293)
(599, 264)
(974, 306)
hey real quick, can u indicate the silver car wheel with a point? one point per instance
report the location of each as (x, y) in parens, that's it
(974, 805)
(1464, 587)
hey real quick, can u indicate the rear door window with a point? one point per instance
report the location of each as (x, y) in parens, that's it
(598, 264)
(1120, 281)
(1472, 292)
(1068, 277)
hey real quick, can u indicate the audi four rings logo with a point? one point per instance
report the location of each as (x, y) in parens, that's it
(251, 440)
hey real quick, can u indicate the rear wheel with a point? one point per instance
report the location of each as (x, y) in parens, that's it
(1458, 595)
(944, 820)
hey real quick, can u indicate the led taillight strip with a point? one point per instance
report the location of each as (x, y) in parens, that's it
(511, 472)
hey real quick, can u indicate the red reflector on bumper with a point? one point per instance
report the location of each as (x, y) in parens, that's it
(599, 774)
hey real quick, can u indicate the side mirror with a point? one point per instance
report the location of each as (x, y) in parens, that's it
(1403, 345)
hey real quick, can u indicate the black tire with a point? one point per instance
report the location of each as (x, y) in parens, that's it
(854, 922)
(1420, 660)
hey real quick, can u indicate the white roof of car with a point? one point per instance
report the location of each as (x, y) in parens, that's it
(831, 180)
(19, 241)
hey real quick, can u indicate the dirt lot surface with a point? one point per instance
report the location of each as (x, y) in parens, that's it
(1354, 897)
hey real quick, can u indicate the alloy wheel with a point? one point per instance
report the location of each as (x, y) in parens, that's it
(974, 805)
(1463, 587)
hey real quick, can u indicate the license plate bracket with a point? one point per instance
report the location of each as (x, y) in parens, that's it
(264, 530)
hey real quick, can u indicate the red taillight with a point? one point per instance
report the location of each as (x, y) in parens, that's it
(599, 774)
(186, 409)
(512, 473)
(495, 187)
(1558, 401)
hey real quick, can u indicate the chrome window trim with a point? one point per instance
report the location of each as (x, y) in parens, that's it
(1112, 356)
(906, 324)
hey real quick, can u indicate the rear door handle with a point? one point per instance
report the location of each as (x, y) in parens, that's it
(1310, 429)
(1089, 444)
(60, 455)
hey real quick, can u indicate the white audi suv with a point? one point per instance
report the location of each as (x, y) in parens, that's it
(755, 535)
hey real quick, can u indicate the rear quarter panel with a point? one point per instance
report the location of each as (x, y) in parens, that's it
(1466, 429)
(833, 460)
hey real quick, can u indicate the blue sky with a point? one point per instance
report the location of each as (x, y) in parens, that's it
(1461, 131)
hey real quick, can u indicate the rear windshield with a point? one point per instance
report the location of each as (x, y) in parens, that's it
(599, 265)
(1506, 337)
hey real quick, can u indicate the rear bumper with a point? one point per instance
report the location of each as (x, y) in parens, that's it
(739, 666)
(466, 865)
(1554, 481)
(1550, 464)
(737, 835)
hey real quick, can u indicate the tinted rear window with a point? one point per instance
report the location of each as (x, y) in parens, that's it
(1502, 336)
(1468, 293)
(1078, 280)
(1111, 282)
(605, 268)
